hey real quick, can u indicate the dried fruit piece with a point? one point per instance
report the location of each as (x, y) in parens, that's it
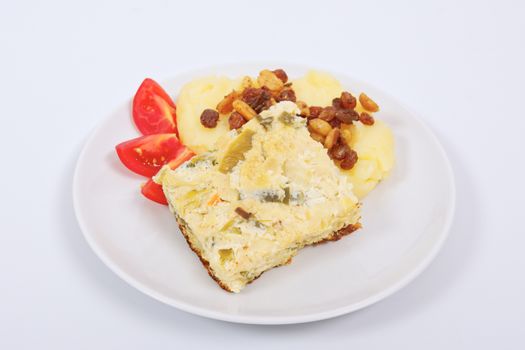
(339, 150)
(336, 103)
(315, 111)
(366, 119)
(335, 123)
(258, 99)
(281, 74)
(347, 116)
(225, 106)
(319, 126)
(244, 109)
(270, 80)
(236, 120)
(348, 101)
(332, 138)
(349, 161)
(286, 95)
(368, 103)
(209, 118)
(327, 114)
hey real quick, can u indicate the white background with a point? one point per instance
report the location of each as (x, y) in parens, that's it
(65, 66)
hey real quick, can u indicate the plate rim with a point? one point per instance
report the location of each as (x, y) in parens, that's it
(272, 320)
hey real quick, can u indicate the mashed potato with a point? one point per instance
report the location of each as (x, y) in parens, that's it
(374, 144)
(195, 97)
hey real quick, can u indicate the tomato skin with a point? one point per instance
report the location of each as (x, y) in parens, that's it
(154, 192)
(145, 155)
(153, 109)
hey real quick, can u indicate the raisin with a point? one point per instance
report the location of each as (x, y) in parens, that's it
(281, 74)
(347, 100)
(366, 119)
(335, 123)
(209, 118)
(236, 120)
(327, 114)
(339, 150)
(349, 161)
(347, 116)
(336, 103)
(315, 111)
(286, 95)
(258, 99)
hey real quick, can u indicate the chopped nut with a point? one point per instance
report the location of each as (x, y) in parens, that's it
(270, 80)
(347, 116)
(319, 126)
(243, 213)
(286, 94)
(315, 111)
(327, 114)
(332, 138)
(236, 120)
(244, 109)
(281, 74)
(349, 161)
(246, 82)
(368, 103)
(305, 111)
(317, 137)
(225, 106)
(346, 135)
(348, 101)
(366, 119)
(209, 118)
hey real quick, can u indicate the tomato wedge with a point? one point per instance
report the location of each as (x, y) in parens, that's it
(153, 191)
(145, 155)
(153, 109)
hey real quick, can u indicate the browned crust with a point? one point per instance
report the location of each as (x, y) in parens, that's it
(335, 236)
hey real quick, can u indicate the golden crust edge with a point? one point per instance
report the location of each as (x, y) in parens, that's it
(335, 236)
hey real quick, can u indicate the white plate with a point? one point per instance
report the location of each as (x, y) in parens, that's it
(405, 221)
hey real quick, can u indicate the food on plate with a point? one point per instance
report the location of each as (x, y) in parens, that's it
(334, 116)
(375, 148)
(256, 168)
(194, 98)
(153, 109)
(267, 190)
(145, 155)
(154, 192)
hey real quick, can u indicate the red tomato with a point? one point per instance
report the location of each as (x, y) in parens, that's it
(153, 191)
(153, 109)
(145, 155)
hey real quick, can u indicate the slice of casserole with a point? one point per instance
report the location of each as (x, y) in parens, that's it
(267, 191)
